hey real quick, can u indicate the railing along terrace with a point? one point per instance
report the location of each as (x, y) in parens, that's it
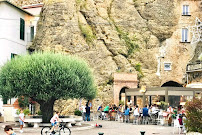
(196, 66)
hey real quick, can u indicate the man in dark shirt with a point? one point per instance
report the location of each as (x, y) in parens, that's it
(145, 115)
(145, 111)
(87, 113)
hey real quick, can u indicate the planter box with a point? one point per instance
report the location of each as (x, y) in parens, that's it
(193, 133)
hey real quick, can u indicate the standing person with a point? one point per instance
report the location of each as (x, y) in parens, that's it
(145, 114)
(136, 114)
(54, 122)
(87, 113)
(9, 130)
(126, 113)
(119, 112)
(21, 120)
(83, 110)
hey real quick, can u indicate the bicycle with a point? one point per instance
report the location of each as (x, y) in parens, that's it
(62, 131)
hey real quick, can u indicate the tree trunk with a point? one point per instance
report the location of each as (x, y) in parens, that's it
(46, 108)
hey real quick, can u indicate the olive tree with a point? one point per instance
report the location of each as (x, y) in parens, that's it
(45, 78)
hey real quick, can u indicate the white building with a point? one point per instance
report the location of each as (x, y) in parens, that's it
(17, 30)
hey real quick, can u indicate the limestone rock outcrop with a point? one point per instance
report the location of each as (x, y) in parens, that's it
(116, 36)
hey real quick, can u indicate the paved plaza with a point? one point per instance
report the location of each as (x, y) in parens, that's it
(109, 128)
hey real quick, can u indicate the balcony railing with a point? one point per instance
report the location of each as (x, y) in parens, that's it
(194, 67)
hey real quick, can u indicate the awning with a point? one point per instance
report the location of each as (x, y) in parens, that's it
(174, 91)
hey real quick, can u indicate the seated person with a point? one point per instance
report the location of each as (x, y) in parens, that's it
(106, 110)
(9, 130)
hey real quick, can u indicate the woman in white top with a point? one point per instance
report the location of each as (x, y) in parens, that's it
(136, 113)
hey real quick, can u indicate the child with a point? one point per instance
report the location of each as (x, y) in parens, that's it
(180, 122)
(21, 120)
(9, 130)
(54, 121)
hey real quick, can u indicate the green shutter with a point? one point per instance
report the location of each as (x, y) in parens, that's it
(32, 33)
(13, 55)
(22, 29)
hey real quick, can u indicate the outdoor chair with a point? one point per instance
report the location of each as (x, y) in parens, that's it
(178, 126)
(159, 120)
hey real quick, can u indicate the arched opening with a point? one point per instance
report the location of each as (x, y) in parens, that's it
(122, 96)
(171, 84)
(173, 100)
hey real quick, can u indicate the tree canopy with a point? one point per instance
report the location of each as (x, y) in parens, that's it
(46, 77)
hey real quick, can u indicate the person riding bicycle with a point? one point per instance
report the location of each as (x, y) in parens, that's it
(54, 122)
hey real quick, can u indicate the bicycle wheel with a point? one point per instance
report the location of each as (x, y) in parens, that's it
(65, 131)
(45, 131)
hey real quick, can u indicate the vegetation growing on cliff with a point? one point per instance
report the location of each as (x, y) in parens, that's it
(129, 42)
(139, 69)
(87, 32)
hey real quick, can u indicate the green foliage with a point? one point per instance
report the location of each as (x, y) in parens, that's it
(121, 102)
(194, 115)
(129, 42)
(78, 113)
(23, 102)
(25, 111)
(39, 113)
(87, 32)
(138, 68)
(18, 111)
(44, 76)
(163, 105)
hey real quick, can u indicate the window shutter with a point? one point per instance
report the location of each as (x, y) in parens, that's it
(32, 33)
(22, 29)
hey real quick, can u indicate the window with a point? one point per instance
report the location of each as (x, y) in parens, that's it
(13, 55)
(22, 29)
(32, 33)
(167, 66)
(185, 10)
(184, 35)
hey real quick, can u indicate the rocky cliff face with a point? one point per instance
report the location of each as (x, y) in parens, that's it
(115, 36)
(21, 3)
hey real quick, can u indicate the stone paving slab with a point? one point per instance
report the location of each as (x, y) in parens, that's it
(108, 128)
